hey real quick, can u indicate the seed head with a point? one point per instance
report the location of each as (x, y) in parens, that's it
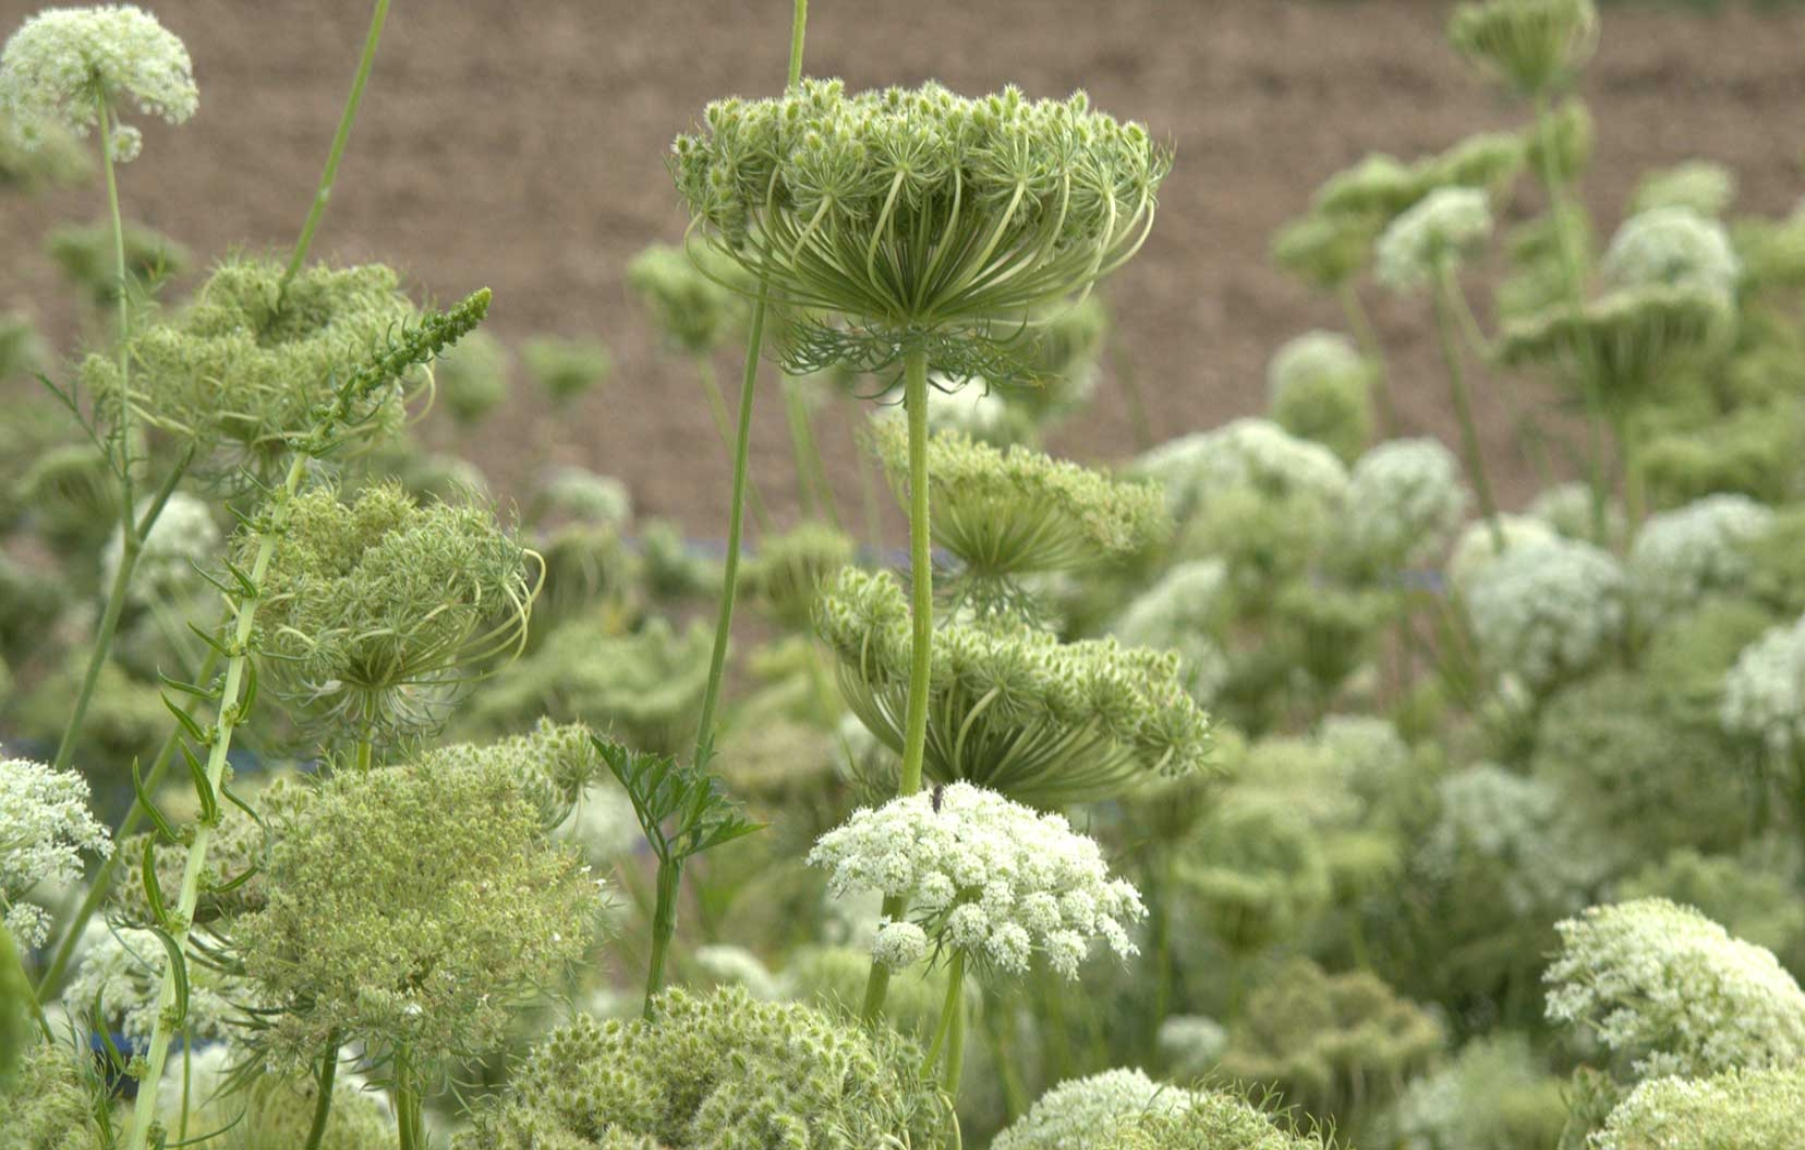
(1533, 45)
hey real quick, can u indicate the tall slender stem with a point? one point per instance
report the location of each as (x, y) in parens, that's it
(144, 1114)
(921, 652)
(736, 521)
(339, 139)
(1448, 339)
(1567, 249)
(755, 339)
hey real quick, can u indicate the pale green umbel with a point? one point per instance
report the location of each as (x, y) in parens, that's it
(1534, 45)
(917, 219)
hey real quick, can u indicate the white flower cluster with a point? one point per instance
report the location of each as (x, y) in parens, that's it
(1547, 611)
(45, 826)
(123, 969)
(1680, 555)
(983, 875)
(1404, 502)
(184, 537)
(1669, 988)
(1764, 693)
(1510, 828)
(1740, 1110)
(1477, 548)
(1082, 1113)
(1313, 356)
(63, 63)
(1255, 453)
(737, 966)
(1191, 1043)
(1179, 613)
(1675, 246)
(1439, 230)
(1567, 508)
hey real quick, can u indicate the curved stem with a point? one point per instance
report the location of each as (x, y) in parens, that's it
(1448, 339)
(322, 1106)
(339, 140)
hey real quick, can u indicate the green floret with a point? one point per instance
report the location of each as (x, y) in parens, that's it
(1017, 512)
(1011, 708)
(235, 371)
(716, 1072)
(374, 609)
(918, 219)
(413, 908)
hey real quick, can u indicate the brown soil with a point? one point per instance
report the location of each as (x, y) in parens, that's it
(521, 146)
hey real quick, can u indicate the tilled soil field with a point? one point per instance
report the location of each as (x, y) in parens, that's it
(522, 145)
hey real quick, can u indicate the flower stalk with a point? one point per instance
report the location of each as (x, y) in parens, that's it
(1447, 337)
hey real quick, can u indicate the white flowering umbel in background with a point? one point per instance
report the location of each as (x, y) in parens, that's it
(989, 881)
(1668, 989)
(1681, 555)
(1547, 612)
(45, 828)
(1405, 501)
(1764, 705)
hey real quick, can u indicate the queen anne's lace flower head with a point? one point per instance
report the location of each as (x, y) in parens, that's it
(1404, 503)
(1080, 1114)
(1435, 234)
(1477, 547)
(1534, 45)
(1319, 387)
(1670, 989)
(1764, 693)
(1681, 555)
(1548, 611)
(122, 970)
(1246, 453)
(985, 876)
(64, 63)
(1738, 1110)
(1676, 246)
(45, 828)
(1494, 1093)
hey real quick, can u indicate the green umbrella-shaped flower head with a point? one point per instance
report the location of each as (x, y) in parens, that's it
(1534, 45)
(916, 219)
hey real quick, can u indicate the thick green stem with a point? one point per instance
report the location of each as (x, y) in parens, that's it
(339, 139)
(1448, 339)
(736, 517)
(1373, 350)
(322, 1106)
(237, 668)
(410, 1108)
(921, 587)
(952, 1065)
(664, 926)
(1573, 275)
(798, 33)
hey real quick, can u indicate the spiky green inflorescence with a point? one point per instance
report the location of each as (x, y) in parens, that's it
(64, 64)
(1011, 708)
(472, 378)
(1702, 186)
(789, 570)
(1330, 1042)
(715, 1072)
(687, 293)
(1630, 339)
(1018, 512)
(920, 219)
(1668, 991)
(1214, 1121)
(566, 368)
(380, 606)
(412, 908)
(1533, 45)
(233, 372)
(1740, 1110)
(1320, 388)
